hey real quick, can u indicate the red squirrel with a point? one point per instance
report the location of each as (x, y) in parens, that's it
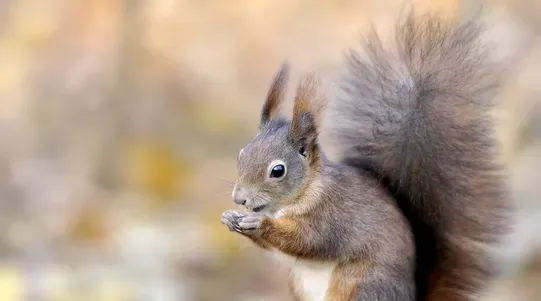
(408, 210)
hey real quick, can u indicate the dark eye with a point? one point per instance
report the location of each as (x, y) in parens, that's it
(278, 171)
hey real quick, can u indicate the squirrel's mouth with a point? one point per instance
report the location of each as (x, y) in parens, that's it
(259, 208)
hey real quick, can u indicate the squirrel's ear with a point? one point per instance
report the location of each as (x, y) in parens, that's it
(275, 96)
(306, 112)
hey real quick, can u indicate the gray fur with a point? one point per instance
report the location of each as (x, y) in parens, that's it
(353, 222)
(253, 184)
(413, 131)
(418, 117)
(349, 218)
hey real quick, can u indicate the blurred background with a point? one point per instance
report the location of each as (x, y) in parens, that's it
(120, 123)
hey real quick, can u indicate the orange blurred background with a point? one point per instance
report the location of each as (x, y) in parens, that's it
(120, 122)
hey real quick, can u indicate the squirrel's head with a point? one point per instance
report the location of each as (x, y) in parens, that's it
(283, 159)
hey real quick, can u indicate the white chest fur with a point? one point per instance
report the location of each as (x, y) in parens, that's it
(312, 277)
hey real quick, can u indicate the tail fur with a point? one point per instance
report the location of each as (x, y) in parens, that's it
(417, 115)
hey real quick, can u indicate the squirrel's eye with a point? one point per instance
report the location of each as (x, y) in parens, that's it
(278, 171)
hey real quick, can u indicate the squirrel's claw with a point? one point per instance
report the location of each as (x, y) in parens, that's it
(231, 218)
(242, 222)
(250, 221)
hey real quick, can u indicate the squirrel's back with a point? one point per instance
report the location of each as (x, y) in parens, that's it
(417, 115)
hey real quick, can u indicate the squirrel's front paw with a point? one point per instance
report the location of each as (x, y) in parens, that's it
(242, 222)
(231, 218)
(250, 222)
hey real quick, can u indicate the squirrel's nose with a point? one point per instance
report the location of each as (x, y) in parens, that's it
(239, 201)
(238, 197)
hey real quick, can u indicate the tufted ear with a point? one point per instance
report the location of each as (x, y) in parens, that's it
(275, 96)
(306, 112)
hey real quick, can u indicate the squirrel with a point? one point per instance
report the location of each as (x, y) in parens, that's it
(416, 197)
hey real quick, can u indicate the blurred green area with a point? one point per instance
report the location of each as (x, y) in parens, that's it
(120, 122)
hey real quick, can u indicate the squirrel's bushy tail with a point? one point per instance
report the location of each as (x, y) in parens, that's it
(417, 115)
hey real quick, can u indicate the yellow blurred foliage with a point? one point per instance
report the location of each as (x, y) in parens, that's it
(153, 167)
(33, 23)
(90, 226)
(14, 62)
(11, 284)
(111, 293)
(212, 116)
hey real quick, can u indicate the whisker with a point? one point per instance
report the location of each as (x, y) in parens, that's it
(222, 194)
(227, 183)
(261, 199)
(222, 188)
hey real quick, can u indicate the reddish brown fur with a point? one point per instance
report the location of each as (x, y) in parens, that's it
(345, 281)
(259, 241)
(286, 235)
(307, 107)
